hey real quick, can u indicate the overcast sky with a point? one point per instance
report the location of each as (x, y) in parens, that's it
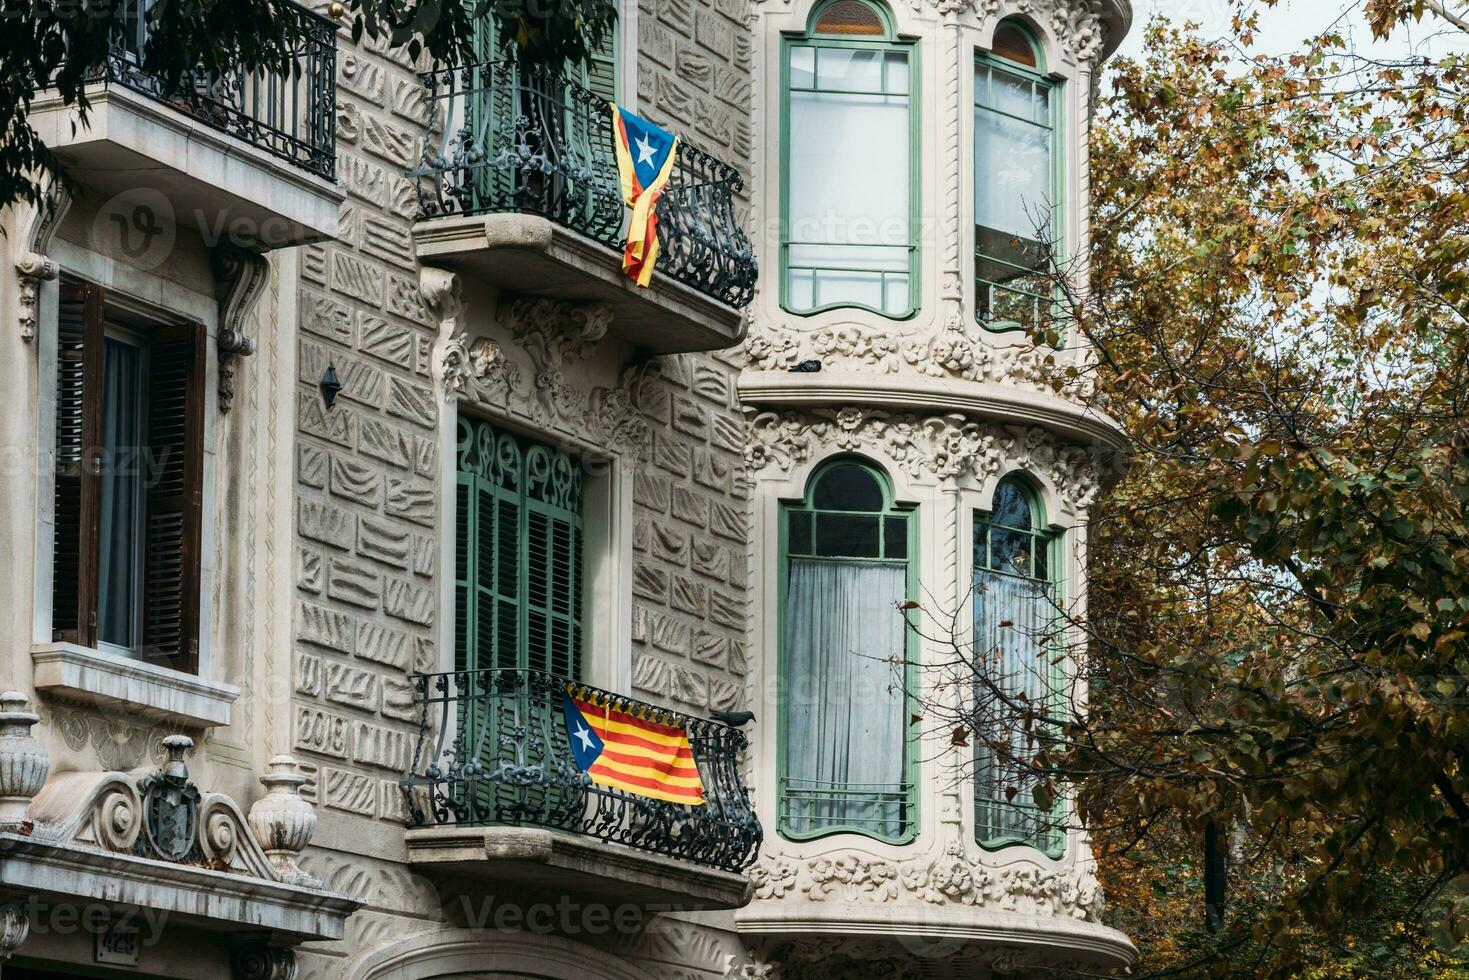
(1283, 27)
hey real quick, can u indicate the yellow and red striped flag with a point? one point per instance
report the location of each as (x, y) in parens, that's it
(618, 749)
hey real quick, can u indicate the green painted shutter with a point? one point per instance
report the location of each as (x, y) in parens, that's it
(553, 556)
(518, 555)
(599, 75)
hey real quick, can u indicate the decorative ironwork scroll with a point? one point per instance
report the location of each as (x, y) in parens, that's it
(526, 139)
(493, 750)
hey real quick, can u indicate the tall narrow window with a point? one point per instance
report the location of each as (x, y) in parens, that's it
(518, 554)
(844, 676)
(851, 150)
(129, 480)
(1017, 181)
(1015, 641)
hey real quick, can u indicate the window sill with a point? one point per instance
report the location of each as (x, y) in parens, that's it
(75, 673)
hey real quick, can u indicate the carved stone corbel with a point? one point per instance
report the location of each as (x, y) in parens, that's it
(34, 265)
(15, 926)
(258, 961)
(240, 278)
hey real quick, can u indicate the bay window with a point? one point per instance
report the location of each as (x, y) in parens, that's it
(845, 684)
(851, 150)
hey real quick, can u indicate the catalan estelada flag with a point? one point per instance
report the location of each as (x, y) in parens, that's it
(645, 155)
(618, 749)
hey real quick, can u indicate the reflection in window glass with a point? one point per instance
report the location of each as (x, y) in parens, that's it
(1015, 192)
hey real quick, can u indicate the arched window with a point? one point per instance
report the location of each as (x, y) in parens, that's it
(850, 160)
(846, 761)
(1017, 182)
(1015, 633)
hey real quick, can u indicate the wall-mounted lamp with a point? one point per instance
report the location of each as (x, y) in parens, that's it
(330, 386)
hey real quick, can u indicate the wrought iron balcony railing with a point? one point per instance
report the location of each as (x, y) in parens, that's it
(493, 750)
(289, 111)
(522, 139)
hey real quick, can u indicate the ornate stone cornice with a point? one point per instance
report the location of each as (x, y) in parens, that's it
(939, 447)
(956, 877)
(953, 352)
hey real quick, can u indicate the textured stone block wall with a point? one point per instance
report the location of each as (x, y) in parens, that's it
(691, 511)
(367, 503)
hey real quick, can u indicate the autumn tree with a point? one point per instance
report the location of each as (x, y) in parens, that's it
(1277, 642)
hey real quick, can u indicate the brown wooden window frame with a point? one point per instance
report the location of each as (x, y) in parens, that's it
(169, 591)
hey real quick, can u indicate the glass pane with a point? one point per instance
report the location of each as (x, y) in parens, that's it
(120, 532)
(895, 300)
(803, 67)
(1011, 551)
(850, 18)
(1012, 44)
(841, 689)
(897, 72)
(858, 288)
(1012, 94)
(981, 543)
(801, 289)
(895, 537)
(853, 258)
(1003, 256)
(1010, 507)
(849, 70)
(798, 540)
(1042, 560)
(847, 535)
(1012, 176)
(999, 308)
(848, 487)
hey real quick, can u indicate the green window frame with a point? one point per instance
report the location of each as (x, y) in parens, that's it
(887, 71)
(518, 559)
(1018, 106)
(1017, 589)
(846, 535)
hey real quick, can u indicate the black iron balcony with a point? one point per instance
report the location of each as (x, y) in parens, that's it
(518, 140)
(494, 751)
(288, 110)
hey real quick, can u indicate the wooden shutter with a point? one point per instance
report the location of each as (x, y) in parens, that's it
(79, 365)
(599, 75)
(173, 515)
(553, 562)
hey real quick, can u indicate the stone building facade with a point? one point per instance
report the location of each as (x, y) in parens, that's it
(407, 454)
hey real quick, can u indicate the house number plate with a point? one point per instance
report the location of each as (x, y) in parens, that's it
(118, 945)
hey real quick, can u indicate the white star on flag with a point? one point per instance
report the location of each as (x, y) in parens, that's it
(645, 150)
(585, 737)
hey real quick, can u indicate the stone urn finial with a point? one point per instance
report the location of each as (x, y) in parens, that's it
(23, 762)
(283, 822)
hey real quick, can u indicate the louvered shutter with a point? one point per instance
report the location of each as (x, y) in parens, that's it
(553, 562)
(599, 75)
(174, 507)
(77, 503)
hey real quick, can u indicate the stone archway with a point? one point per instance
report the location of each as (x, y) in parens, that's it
(475, 954)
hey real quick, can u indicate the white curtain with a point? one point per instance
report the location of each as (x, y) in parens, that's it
(844, 641)
(121, 478)
(1014, 630)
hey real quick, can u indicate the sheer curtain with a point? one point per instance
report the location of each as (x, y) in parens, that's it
(1017, 657)
(122, 483)
(845, 757)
